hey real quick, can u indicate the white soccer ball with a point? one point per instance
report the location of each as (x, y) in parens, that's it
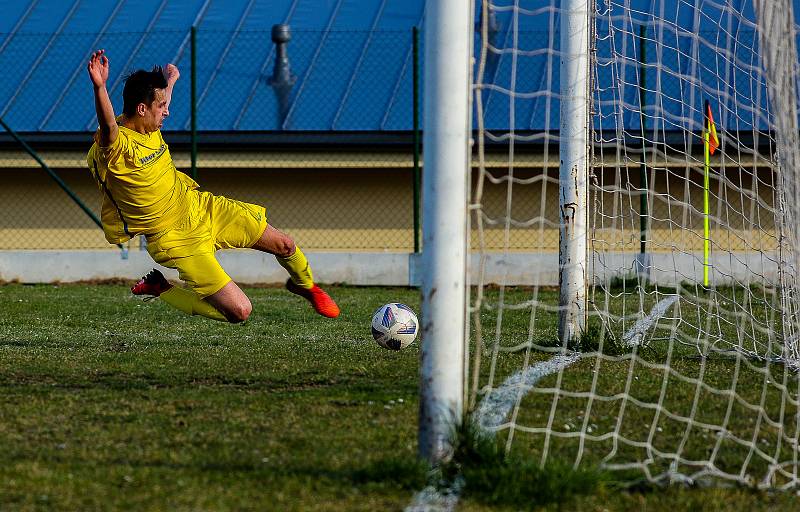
(394, 326)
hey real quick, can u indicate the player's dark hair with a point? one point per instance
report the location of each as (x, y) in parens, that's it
(140, 87)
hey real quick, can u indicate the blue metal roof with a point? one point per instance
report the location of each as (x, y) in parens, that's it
(352, 59)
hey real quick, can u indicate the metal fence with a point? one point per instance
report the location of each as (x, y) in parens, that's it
(327, 80)
(325, 143)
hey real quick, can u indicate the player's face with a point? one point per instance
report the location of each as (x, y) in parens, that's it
(156, 113)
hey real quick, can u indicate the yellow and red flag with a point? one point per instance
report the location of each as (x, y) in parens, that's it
(711, 130)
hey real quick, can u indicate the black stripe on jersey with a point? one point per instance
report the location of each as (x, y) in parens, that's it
(108, 193)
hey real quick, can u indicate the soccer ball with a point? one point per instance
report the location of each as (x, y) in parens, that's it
(394, 326)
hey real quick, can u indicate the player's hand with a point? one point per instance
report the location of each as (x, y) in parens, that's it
(98, 68)
(171, 73)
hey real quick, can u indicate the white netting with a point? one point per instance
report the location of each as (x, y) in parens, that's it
(677, 379)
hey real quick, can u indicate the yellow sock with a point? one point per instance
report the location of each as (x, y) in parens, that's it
(191, 303)
(298, 268)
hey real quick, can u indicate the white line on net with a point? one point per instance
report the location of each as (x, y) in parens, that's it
(431, 499)
(635, 335)
(494, 408)
(491, 413)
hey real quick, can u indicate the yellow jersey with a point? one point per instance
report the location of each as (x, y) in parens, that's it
(143, 192)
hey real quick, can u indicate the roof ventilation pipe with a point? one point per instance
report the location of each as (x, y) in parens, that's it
(282, 78)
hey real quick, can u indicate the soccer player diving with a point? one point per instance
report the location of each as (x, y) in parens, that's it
(144, 194)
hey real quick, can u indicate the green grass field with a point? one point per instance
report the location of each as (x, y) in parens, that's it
(111, 403)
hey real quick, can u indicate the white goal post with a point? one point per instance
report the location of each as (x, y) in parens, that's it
(446, 143)
(573, 179)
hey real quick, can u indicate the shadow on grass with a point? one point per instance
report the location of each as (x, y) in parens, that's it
(494, 477)
(595, 338)
(489, 475)
(405, 473)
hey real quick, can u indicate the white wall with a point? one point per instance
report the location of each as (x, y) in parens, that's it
(385, 268)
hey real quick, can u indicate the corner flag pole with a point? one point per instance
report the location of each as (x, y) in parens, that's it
(710, 145)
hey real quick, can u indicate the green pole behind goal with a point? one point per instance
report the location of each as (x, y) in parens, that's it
(643, 210)
(193, 74)
(416, 174)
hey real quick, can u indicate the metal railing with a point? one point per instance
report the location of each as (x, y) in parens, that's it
(331, 155)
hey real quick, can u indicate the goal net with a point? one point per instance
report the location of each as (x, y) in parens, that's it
(684, 362)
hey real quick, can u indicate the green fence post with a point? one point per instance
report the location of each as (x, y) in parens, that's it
(643, 209)
(193, 74)
(416, 173)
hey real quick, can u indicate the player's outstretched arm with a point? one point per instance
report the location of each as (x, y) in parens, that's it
(98, 73)
(172, 74)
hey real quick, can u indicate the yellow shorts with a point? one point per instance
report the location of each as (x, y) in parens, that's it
(214, 222)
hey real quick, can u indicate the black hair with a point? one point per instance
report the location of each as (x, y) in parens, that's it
(140, 87)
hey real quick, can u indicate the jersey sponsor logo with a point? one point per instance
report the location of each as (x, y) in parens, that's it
(256, 215)
(152, 157)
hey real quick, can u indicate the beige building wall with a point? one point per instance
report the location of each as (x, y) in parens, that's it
(363, 202)
(342, 209)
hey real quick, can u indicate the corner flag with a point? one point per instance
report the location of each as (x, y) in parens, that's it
(711, 129)
(710, 145)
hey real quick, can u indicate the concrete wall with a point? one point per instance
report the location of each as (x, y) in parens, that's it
(388, 269)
